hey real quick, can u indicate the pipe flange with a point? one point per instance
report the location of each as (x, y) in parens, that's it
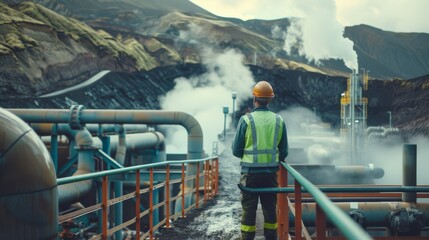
(358, 217)
(74, 121)
(406, 221)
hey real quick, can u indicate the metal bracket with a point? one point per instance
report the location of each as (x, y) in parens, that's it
(74, 122)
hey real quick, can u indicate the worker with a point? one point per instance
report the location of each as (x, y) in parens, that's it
(260, 142)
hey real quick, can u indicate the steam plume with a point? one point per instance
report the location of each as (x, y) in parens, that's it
(204, 96)
(320, 32)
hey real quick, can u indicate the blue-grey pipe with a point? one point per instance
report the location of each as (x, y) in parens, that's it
(112, 129)
(72, 192)
(121, 149)
(372, 129)
(140, 141)
(195, 134)
(156, 117)
(28, 187)
(409, 171)
(376, 214)
(383, 134)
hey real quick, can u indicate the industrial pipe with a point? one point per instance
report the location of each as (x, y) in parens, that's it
(79, 116)
(140, 141)
(409, 171)
(69, 193)
(372, 129)
(386, 132)
(45, 129)
(121, 149)
(376, 214)
(28, 196)
(195, 134)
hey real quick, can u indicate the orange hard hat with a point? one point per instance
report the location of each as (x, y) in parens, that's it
(263, 90)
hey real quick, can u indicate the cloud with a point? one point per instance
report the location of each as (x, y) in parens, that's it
(390, 15)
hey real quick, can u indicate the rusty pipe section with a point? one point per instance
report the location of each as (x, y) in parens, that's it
(28, 195)
(156, 117)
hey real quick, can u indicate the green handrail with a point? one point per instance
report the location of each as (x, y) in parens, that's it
(83, 177)
(338, 189)
(344, 223)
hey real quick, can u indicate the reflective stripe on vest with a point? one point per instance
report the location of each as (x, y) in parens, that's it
(252, 158)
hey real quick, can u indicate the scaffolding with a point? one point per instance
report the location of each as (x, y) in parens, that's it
(354, 115)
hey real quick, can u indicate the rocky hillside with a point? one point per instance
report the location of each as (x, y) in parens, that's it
(148, 44)
(389, 54)
(141, 90)
(41, 51)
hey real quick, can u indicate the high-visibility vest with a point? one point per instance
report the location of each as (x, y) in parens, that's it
(263, 133)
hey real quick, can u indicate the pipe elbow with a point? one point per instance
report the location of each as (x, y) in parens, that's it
(83, 138)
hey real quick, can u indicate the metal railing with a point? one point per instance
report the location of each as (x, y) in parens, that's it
(209, 173)
(324, 206)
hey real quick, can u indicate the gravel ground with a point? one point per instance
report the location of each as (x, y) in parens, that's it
(219, 219)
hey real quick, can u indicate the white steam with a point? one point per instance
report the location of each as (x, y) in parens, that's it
(204, 96)
(389, 157)
(321, 34)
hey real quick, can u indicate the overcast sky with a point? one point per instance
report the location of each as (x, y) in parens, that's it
(391, 15)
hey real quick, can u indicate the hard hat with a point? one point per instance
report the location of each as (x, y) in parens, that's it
(263, 90)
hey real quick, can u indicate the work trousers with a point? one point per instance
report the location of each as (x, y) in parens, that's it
(249, 203)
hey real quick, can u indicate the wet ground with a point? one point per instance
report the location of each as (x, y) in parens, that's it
(220, 218)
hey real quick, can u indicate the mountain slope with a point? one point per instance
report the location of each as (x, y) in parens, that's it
(41, 51)
(390, 54)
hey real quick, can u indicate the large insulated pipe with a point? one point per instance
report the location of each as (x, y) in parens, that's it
(195, 134)
(28, 187)
(45, 129)
(140, 141)
(121, 149)
(409, 171)
(80, 116)
(72, 192)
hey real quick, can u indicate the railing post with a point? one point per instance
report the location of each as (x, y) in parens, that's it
(209, 187)
(205, 182)
(298, 211)
(167, 197)
(320, 223)
(105, 183)
(137, 204)
(183, 190)
(197, 184)
(151, 204)
(217, 176)
(283, 209)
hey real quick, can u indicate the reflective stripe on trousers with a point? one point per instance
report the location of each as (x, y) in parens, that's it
(249, 204)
